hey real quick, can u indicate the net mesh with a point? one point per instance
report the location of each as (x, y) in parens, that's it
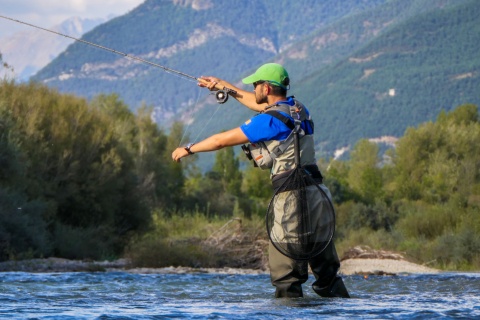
(300, 217)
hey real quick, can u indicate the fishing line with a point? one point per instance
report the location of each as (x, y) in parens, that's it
(169, 70)
(190, 123)
(221, 94)
(203, 126)
(206, 125)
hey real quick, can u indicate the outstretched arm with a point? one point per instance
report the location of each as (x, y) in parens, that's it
(246, 98)
(217, 141)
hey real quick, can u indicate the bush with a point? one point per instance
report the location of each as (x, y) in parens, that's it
(379, 239)
(427, 221)
(460, 250)
(23, 232)
(358, 215)
(84, 242)
(193, 240)
(157, 252)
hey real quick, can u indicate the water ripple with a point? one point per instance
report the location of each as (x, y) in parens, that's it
(119, 295)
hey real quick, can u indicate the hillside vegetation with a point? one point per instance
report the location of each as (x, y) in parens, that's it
(402, 78)
(92, 180)
(365, 68)
(195, 41)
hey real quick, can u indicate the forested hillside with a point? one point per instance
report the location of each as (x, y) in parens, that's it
(193, 39)
(404, 77)
(365, 68)
(419, 59)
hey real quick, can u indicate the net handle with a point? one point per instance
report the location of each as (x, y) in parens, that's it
(296, 144)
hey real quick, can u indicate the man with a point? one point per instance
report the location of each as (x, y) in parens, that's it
(271, 82)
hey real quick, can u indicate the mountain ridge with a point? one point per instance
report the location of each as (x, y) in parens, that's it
(39, 48)
(333, 67)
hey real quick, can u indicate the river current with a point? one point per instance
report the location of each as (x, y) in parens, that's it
(121, 295)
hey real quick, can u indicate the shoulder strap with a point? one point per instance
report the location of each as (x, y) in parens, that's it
(298, 114)
(286, 120)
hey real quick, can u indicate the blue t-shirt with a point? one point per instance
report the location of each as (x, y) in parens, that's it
(264, 127)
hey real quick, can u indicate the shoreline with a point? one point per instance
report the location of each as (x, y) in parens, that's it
(383, 267)
(351, 266)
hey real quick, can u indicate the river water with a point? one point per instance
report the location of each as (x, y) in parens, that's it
(121, 295)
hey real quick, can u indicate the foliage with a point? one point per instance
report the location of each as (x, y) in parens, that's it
(191, 240)
(364, 177)
(343, 59)
(428, 207)
(85, 179)
(81, 169)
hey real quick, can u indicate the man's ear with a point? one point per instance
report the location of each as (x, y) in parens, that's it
(269, 89)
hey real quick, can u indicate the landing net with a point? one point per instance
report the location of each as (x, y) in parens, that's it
(300, 218)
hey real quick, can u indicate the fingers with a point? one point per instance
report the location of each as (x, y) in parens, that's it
(208, 82)
(203, 82)
(178, 154)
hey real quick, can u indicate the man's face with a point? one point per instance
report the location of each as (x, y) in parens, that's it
(260, 95)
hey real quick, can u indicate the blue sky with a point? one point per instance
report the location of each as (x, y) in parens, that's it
(47, 13)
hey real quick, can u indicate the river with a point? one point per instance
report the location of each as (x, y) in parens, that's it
(122, 295)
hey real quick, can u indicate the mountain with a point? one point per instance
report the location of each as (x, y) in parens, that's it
(39, 48)
(359, 83)
(365, 68)
(401, 78)
(198, 37)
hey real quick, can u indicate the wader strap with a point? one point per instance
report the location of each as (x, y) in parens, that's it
(293, 123)
(280, 149)
(286, 120)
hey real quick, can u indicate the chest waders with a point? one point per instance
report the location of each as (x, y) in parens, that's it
(300, 218)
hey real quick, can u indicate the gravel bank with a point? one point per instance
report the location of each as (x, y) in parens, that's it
(382, 267)
(348, 267)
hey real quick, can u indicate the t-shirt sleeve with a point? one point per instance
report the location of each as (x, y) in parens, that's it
(264, 127)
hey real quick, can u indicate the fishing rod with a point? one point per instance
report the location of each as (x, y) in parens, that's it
(221, 94)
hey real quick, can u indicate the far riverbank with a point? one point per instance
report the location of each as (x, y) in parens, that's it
(357, 261)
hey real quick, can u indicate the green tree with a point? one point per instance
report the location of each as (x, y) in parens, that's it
(175, 177)
(364, 175)
(439, 159)
(227, 167)
(78, 161)
(257, 190)
(5, 65)
(335, 175)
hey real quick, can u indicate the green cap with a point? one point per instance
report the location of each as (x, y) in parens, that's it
(271, 72)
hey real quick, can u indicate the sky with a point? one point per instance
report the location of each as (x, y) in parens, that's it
(48, 13)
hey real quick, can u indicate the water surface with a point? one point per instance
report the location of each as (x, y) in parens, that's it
(121, 295)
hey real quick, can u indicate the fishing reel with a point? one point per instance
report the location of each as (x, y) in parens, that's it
(222, 95)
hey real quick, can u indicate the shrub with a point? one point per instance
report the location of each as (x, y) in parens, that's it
(427, 221)
(94, 243)
(23, 232)
(193, 240)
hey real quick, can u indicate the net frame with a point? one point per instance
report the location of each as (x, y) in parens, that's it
(300, 235)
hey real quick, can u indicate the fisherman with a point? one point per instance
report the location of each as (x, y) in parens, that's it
(270, 83)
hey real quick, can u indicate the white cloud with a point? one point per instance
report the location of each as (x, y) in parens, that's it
(47, 13)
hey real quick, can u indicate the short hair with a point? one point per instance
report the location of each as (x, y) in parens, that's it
(280, 90)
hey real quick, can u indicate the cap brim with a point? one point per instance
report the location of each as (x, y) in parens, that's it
(251, 79)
